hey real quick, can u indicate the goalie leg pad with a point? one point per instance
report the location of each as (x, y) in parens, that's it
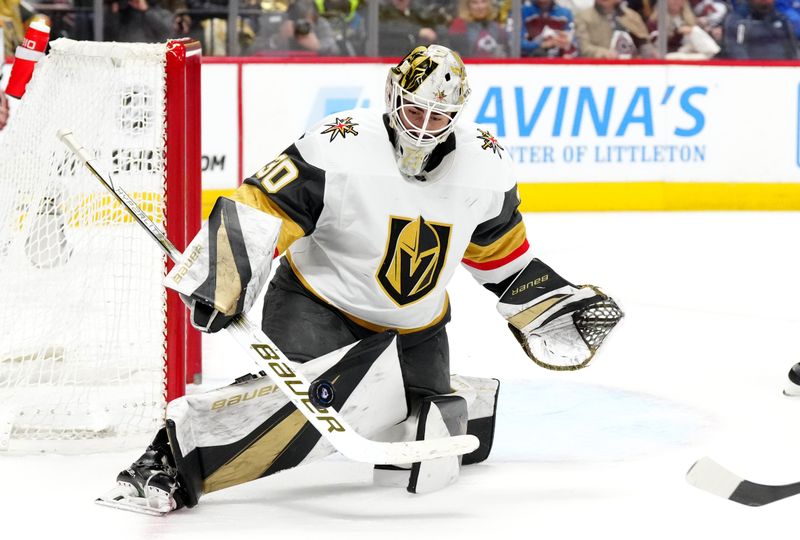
(481, 395)
(432, 417)
(440, 416)
(249, 430)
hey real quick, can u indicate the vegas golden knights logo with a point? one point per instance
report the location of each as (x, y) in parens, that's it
(415, 255)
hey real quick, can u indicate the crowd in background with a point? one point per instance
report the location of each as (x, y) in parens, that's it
(610, 29)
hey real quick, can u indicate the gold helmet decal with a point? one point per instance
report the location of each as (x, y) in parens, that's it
(415, 255)
(460, 71)
(414, 69)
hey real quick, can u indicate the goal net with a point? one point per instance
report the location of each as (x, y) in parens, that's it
(91, 345)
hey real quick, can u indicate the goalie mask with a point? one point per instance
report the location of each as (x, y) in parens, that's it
(425, 94)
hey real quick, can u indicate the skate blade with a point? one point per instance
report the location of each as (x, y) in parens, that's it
(791, 390)
(119, 499)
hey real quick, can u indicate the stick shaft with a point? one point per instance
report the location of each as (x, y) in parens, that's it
(135, 210)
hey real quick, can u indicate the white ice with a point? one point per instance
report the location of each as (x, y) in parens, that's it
(696, 368)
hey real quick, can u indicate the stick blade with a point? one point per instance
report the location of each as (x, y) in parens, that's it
(753, 494)
(710, 476)
(395, 453)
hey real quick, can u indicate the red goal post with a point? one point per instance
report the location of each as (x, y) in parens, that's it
(183, 174)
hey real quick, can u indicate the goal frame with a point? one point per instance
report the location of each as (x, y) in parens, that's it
(183, 202)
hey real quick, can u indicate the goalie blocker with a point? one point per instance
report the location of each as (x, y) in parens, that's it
(226, 265)
(559, 325)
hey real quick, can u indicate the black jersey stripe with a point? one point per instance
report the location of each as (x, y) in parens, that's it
(494, 229)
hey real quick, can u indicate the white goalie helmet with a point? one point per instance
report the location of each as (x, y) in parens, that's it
(425, 94)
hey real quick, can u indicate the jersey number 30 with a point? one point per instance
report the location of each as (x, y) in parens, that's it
(276, 174)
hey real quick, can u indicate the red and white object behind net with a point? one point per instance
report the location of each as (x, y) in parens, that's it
(91, 345)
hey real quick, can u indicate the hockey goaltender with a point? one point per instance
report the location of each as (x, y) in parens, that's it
(373, 214)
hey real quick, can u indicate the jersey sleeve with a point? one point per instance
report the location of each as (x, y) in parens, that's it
(499, 248)
(291, 187)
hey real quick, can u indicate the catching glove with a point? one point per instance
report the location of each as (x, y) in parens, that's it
(559, 325)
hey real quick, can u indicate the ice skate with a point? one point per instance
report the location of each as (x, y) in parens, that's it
(149, 486)
(792, 388)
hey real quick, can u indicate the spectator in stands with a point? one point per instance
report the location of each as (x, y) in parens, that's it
(402, 28)
(644, 8)
(710, 14)
(347, 23)
(11, 19)
(63, 20)
(547, 30)
(612, 30)
(685, 39)
(476, 33)
(182, 21)
(503, 10)
(266, 26)
(791, 9)
(15, 16)
(761, 33)
(139, 21)
(206, 21)
(304, 30)
(438, 14)
(573, 6)
(78, 24)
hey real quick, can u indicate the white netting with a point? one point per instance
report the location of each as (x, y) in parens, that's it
(82, 316)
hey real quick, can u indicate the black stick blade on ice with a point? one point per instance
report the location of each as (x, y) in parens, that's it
(710, 476)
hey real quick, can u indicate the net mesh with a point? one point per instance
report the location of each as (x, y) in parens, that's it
(82, 309)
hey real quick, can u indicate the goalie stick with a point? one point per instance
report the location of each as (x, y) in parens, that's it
(283, 372)
(710, 476)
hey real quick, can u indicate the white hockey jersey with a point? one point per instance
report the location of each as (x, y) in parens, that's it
(379, 247)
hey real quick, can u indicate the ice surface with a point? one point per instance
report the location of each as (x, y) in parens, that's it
(695, 369)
